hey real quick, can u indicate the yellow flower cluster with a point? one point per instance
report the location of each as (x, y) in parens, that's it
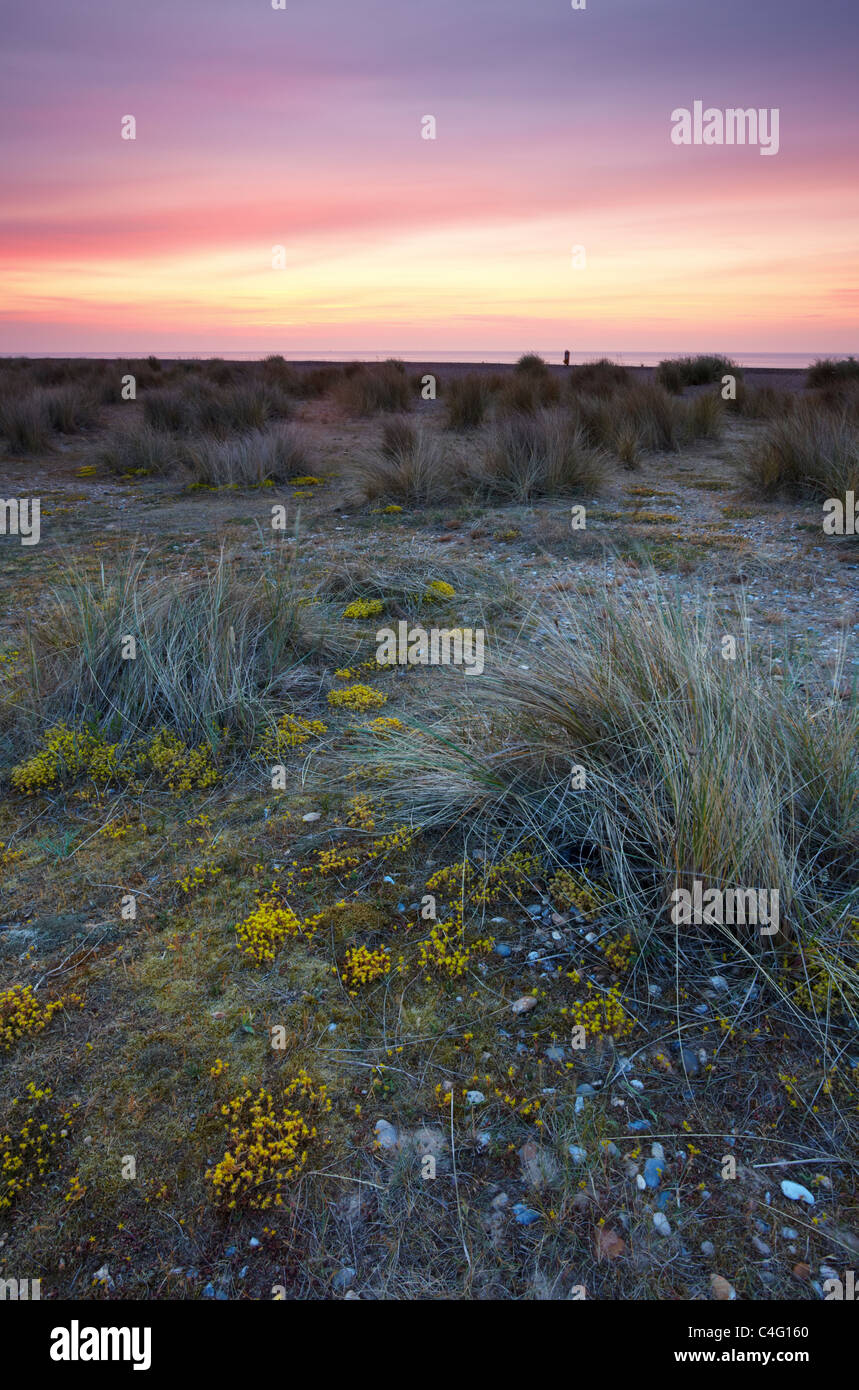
(619, 951)
(364, 608)
(118, 829)
(196, 877)
(65, 754)
(511, 876)
(360, 812)
(181, 769)
(602, 1013)
(22, 1014)
(362, 966)
(76, 1190)
(218, 1067)
(9, 856)
(357, 697)
(446, 951)
(437, 589)
(25, 1156)
(264, 931)
(570, 890)
(384, 725)
(353, 673)
(269, 1144)
(290, 732)
(829, 974)
(335, 858)
(307, 481)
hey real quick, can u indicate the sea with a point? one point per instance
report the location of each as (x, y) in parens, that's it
(489, 356)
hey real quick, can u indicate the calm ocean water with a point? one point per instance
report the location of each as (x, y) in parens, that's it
(632, 358)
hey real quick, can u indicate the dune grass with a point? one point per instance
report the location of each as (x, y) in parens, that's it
(601, 378)
(374, 390)
(537, 456)
(409, 466)
(696, 767)
(675, 373)
(814, 452)
(213, 646)
(829, 371)
(467, 398)
(25, 423)
(253, 459)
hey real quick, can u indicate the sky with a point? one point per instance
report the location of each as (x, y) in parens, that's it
(301, 128)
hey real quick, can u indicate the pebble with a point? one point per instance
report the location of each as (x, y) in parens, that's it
(254, 1243)
(344, 1277)
(577, 1154)
(638, 1126)
(539, 1167)
(761, 1246)
(523, 1005)
(386, 1135)
(525, 1216)
(474, 1098)
(554, 1054)
(796, 1192)
(658, 1152)
(662, 1224)
(789, 1233)
(502, 950)
(586, 1089)
(708, 1249)
(653, 1172)
(312, 816)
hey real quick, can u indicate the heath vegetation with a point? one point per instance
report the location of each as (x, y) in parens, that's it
(323, 970)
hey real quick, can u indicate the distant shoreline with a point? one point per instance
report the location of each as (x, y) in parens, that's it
(783, 378)
(749, 362)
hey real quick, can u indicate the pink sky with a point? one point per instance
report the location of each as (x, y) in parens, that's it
(302, 128)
